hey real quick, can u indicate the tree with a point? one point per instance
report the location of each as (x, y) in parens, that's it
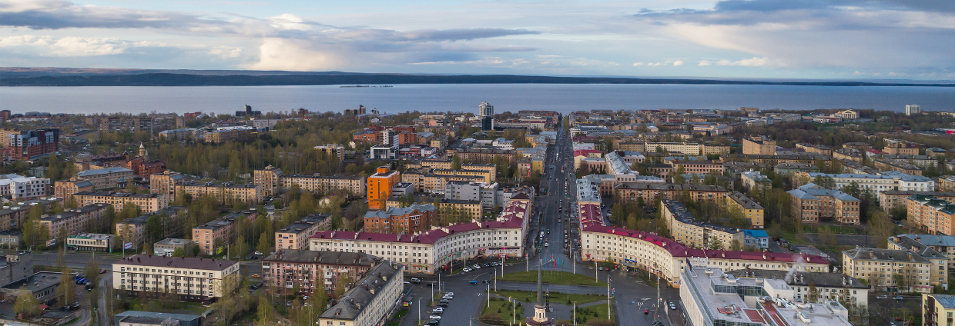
(341, 284)
(827, 236)
(678, 177)
(813, 295)
(881, 228)
(265, 243)
(196, 250)
(716, 244)
(456, 163)
(735, 245)
(92, 271)
(825, 181)
(264, 312)
(179, 252)
(66, 291)
(26, 304)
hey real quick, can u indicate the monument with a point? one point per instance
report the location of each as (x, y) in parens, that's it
(540, 311)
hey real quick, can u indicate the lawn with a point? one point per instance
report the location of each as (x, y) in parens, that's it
(500, 312)
(552, 277)
(594, 315)
(555, 297)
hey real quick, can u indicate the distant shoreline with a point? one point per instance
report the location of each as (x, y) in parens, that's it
(384, 80)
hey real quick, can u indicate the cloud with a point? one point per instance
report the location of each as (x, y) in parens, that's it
(677, 63)
(753, 62)
(283, 54)
(704, 63)
(68, 46)
(637, 64)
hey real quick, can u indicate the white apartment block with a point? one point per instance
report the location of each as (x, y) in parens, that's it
(18, 187)
(191, 279)
(880, 182)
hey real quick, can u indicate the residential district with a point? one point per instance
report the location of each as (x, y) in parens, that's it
(657, 217)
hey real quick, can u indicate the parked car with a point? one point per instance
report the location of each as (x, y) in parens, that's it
(415, 280)
(899, 298)
(473, 282)
(882, 296)
(449, 294)
(672, 305)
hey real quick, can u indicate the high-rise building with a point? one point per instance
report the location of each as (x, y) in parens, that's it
(379, 187)
(911, 109)
(485, 110)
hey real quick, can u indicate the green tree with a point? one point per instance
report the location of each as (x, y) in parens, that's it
(341, 284)
(26, 304)
(456, 163)
(716, 244)
(825, 181)
(265, 243)
(91, 270)
(813, 295)
(264, 312)
(66, 291)
(179, 252)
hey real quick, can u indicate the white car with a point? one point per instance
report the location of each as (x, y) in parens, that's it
(449, 294)
(466, 269)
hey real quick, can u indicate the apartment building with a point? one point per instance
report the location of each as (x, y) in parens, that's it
(829, 286)
(146, 202)
(31, 144)
(673, 147)
(481, 155)
(229, 134)
(946, 183)
(370, 301)
(815, 148)
(848, 154)
(471, 191)
(18, 187)
(213, 236)
(751, 209)
(313, 270)
(66, 189)
(930, 214)
(225, 192)
(106, 178)
(900, 147)
(812, 203)
(666, 257)
(897, 166)
(269, 178)
(898, 270)
(698, 167)
(631, 191)
(295, 235)
(937, 309)
(75, 221)
(133, 230)
(332, 150)
(690, 232)
(379, 187)
(891, 199)
(758, 145)
(326, 184)
(470, 208)
(880, 182)
(425, 181)
(428, 251)
(189, 279)
(412, 219)
(12, 218)
(165, 183)
(943, 244)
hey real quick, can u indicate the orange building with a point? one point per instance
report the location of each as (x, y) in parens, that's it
(379, 187)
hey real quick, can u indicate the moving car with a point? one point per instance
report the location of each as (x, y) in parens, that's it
(473, 282)
(646, 311)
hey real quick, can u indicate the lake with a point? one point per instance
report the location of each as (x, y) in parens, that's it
(465, 97)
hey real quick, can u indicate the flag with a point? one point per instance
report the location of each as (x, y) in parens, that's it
(128, 245)
(688, 265)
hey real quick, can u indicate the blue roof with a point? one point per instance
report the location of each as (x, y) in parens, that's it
(756, 233)
(946, 300)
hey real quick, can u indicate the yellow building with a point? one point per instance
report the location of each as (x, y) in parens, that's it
(146, 202)
(759, 145)
(473, 209)
(938, 309)
(269, 178)
(901, 270)
(165, 183)
(223, 192)
(751, 209)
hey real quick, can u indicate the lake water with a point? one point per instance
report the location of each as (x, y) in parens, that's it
(465, 97)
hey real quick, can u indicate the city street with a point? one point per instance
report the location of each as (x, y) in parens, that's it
(555, 202)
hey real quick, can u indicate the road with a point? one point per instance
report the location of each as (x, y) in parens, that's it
(555, 206)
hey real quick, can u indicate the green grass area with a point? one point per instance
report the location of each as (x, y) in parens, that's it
(555, 297)
(552, 277)
(500, 312)
(593, 315)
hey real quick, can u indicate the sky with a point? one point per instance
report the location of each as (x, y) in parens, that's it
(812, 39)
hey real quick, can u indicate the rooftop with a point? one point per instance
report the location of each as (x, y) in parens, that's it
(102, 171)
(177, 262)
(360, 297)
(36, 282)
(322, 257)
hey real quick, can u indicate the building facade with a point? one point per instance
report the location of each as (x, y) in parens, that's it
(188, 279)
(313, 270)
